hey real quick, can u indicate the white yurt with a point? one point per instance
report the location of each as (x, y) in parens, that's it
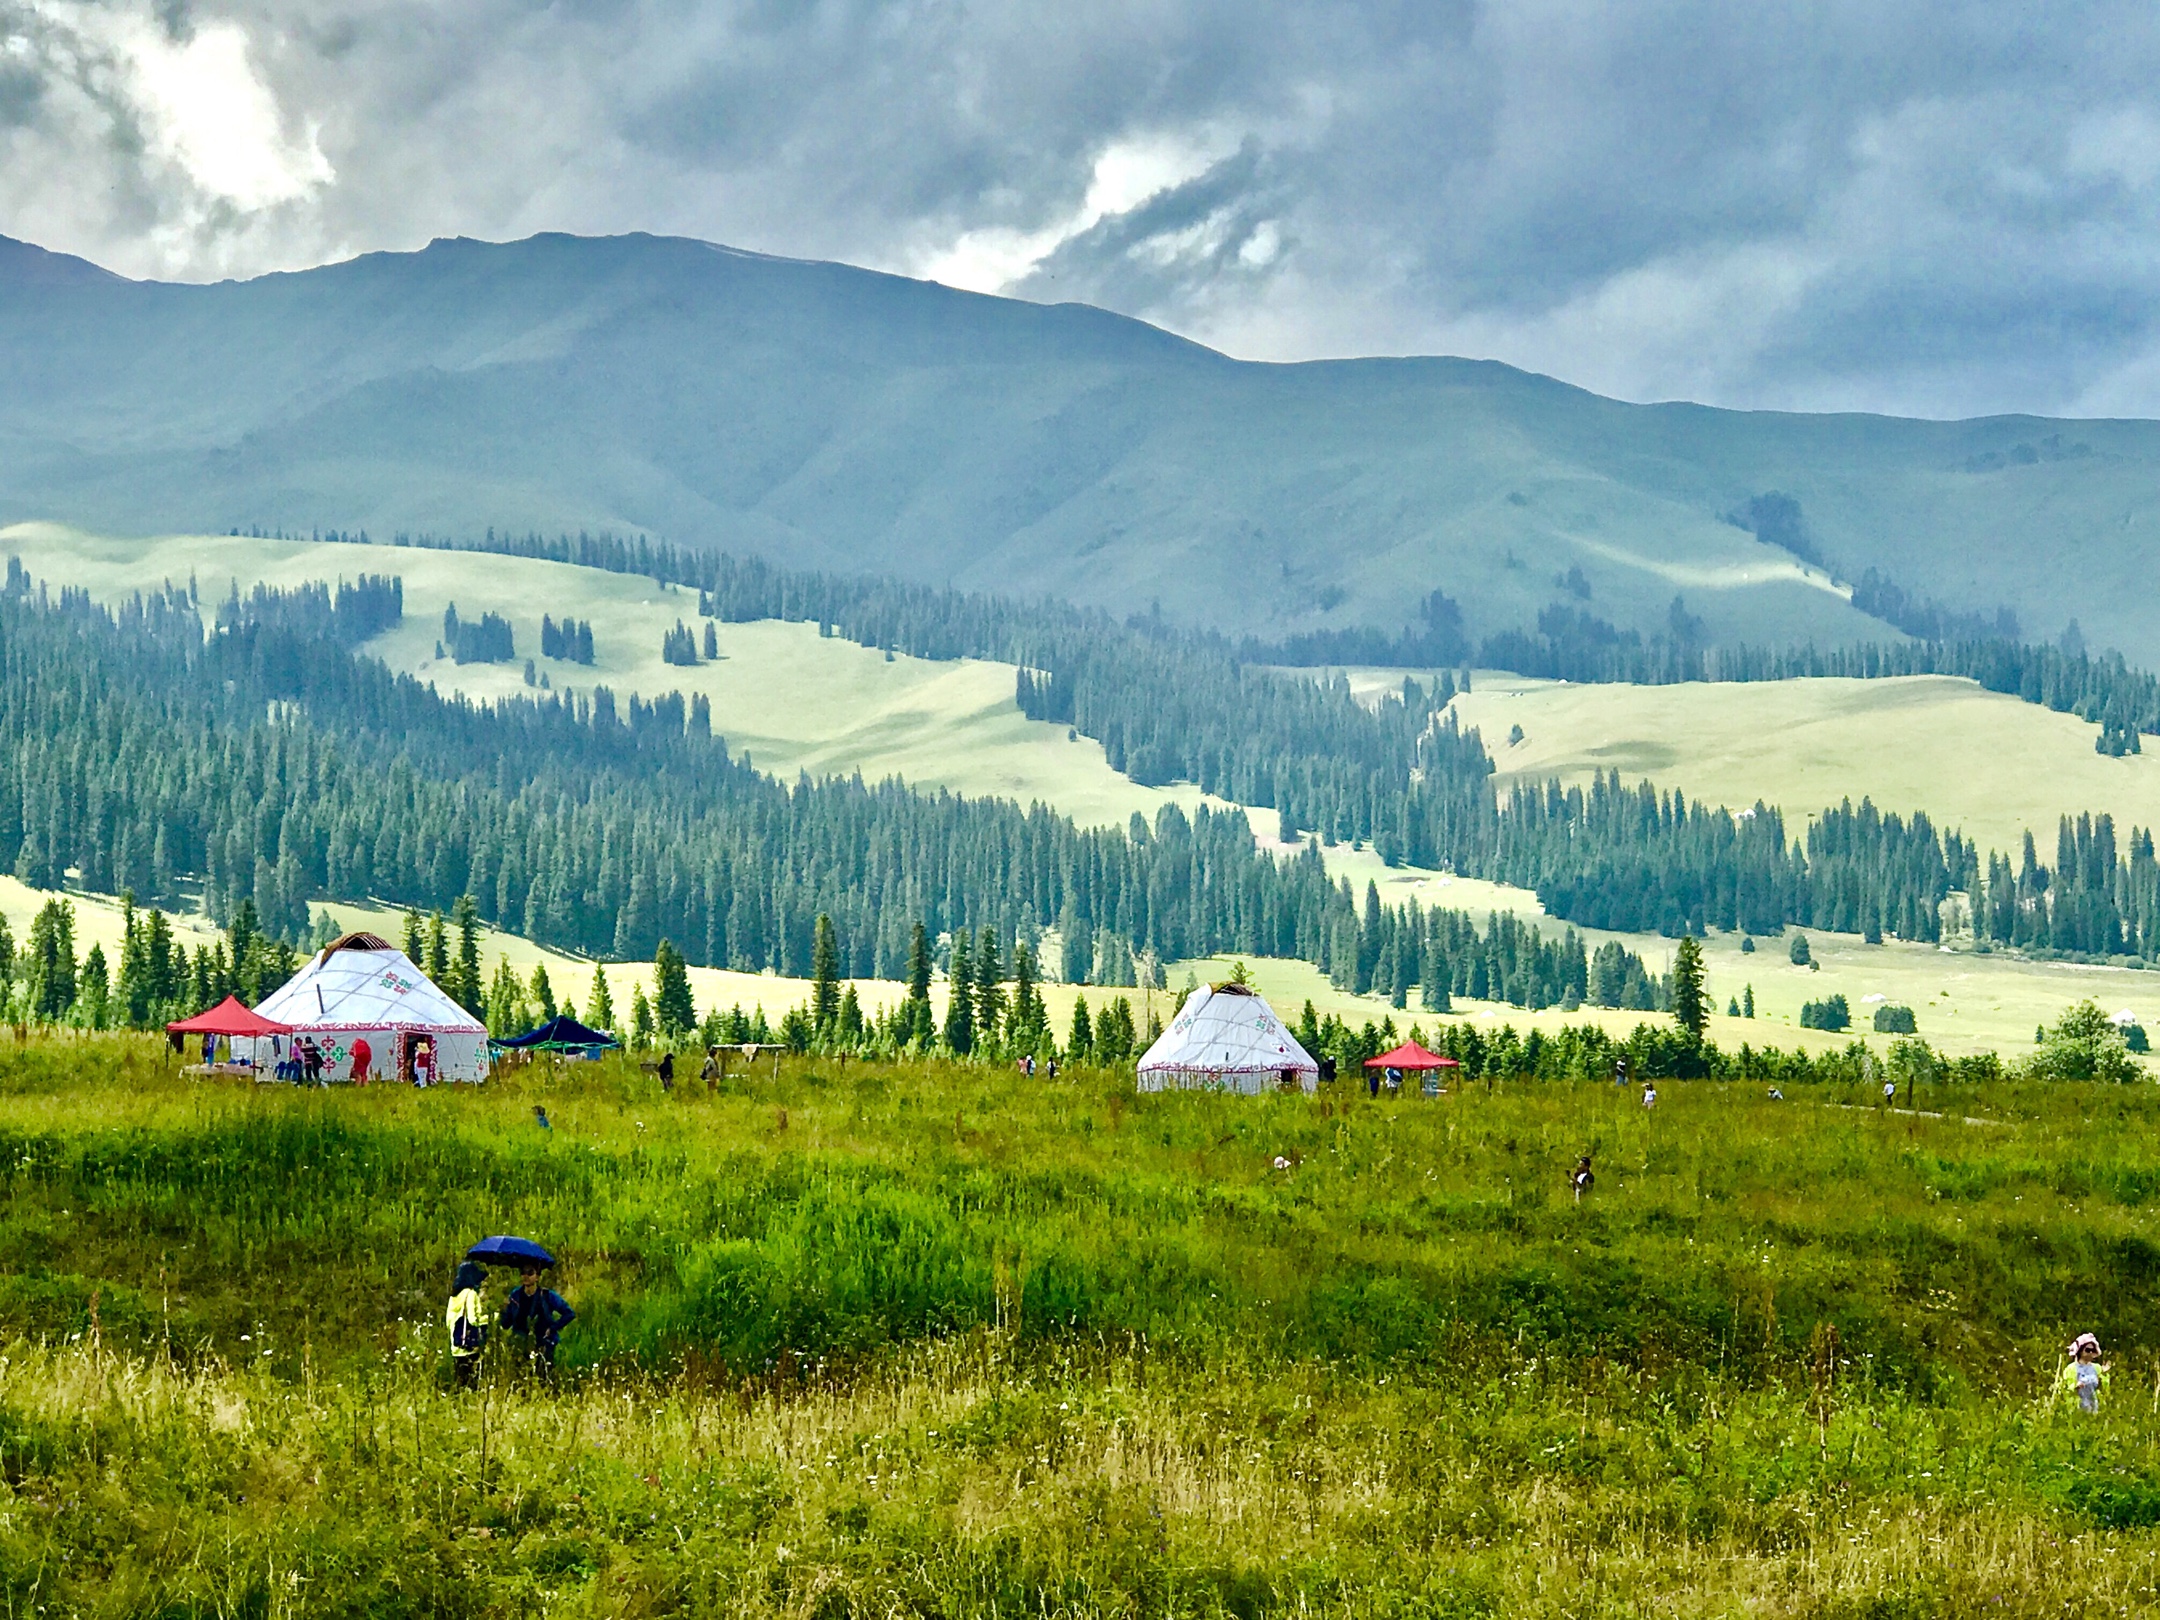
(1227, 1038)
(361, 989)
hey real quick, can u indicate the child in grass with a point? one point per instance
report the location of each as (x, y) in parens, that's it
(466, 1318)
(2084, 1375)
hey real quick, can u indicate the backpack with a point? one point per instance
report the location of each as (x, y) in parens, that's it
(465, 1334)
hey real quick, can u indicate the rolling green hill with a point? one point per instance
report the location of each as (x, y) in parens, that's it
(832, 417)
(800, 701)
(1980, 761)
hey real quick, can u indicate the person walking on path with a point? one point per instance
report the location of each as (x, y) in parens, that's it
(2084, 1375)
(1649, 1097)
(537, 1316)
(466, 1318)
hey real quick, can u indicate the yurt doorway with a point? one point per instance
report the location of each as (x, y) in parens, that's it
(417, 1063)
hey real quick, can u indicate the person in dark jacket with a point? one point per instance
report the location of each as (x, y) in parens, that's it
(537, 1316)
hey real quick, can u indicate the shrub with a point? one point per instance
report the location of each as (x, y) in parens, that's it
(2084, 1044)
(1799, 950)
(1892, 1019)
(1833, 1014)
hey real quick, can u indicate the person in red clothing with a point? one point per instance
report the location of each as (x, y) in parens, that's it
(362, 1056)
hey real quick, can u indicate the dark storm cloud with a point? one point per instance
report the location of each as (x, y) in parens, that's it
(1938, 208)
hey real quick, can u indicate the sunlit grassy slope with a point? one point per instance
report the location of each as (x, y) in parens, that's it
(1980, 761)
(791, 699)
(797, 701)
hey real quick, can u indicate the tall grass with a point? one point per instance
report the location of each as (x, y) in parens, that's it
(934, 1340)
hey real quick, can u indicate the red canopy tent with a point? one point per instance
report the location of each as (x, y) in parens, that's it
(229, 1017)
(1410, 1055)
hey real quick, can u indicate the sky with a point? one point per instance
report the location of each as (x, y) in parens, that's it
(1930, 209)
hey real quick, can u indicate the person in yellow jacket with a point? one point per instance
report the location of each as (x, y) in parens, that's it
(2084, 1375)
(466, 1319)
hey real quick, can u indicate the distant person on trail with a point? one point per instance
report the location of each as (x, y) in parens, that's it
(466, 1318)
(1649, 1096)
(538, 1316)
(1619, 1070)
(1889, 1093)
(363, 1055)
(2084, 1375)
(711, 1072)
(1583, 1179)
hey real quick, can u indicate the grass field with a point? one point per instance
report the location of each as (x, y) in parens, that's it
(920, 1340)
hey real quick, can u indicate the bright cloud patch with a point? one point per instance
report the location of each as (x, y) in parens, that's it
(210, 114)
(1125, 174)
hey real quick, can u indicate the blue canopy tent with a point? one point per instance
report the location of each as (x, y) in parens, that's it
(561, 1033)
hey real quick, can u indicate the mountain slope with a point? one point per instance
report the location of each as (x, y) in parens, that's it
(840, 418)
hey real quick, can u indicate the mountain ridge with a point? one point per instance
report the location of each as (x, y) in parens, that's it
(835, 417)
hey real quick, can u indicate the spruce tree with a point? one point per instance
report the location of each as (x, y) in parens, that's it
(466, 988)
(849, 1022)
(1747, 1002)
(1080, 1044)
(94, 996)
(49, 962)
(415, 942)
(1029, 1017)
(920, 1024)
(599, 1005)
(506, 1012)
(1690, 1007)
(824, 975)
(672, 1006)
(641, 1018)
(437, 964)
(989, 990)
(542, 993)
(960, 1002)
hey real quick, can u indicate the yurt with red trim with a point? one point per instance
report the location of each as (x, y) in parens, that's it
(362, 999)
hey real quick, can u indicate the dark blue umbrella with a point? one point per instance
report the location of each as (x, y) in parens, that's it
(509, 1251)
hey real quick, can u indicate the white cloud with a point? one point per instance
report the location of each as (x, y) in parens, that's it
(1125, 174)
(211, 115)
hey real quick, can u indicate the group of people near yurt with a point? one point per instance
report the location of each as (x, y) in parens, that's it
(360, 1011)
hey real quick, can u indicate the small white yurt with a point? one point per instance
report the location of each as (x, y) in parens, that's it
(362, 989)
(1226, 1038)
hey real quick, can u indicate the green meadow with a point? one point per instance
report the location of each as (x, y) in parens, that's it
(1983, 762)
(927, 1339)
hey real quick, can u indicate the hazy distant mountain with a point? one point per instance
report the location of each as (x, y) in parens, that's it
(839, 418)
